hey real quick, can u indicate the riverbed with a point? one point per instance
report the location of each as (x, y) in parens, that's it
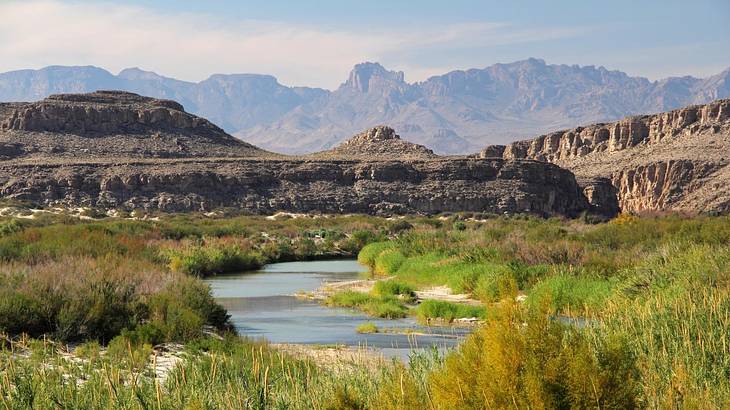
(262, 304)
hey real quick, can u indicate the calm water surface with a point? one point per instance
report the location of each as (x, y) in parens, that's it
(262, 305)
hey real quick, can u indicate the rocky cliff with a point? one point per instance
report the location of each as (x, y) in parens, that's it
(111, 124)
(379, 142)
(326, 186)
(120, 150)
(675, 160)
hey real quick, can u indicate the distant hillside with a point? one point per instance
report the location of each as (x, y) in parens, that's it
(457, 112)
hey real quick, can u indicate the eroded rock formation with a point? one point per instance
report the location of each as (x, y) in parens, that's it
(672, 161)
(120, 150)
(266, 186)
(111, 124)
(379, 142)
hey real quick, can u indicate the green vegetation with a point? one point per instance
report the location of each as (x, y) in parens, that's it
(388, 307)
(632, 313)
(649, 298)
(76, 280)
(394, 288)
(368, 327)
(437, 309)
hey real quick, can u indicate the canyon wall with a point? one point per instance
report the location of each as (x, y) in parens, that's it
(656, 162)
(112, 149)
(267, 186)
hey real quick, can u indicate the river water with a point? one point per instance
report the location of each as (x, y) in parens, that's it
(262, 305)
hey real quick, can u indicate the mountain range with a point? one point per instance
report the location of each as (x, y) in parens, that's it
(458, 112)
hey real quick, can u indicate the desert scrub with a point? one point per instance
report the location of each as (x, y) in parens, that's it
(86, 299)
(448, 311)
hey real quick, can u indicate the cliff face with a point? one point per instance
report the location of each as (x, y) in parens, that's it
(121, 150)
(266, 186)
(108, 124)
(670, 161)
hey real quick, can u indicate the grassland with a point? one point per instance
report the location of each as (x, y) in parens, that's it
(633, 313)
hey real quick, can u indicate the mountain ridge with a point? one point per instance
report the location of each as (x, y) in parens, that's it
(456, 112)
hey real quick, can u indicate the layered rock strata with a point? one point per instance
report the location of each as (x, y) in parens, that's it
(672, 161)
(111, 124)
(113, 149)
(266, 186)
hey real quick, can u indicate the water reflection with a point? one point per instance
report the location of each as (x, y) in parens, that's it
(261, 304)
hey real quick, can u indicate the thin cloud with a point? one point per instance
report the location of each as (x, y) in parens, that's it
(192, 46)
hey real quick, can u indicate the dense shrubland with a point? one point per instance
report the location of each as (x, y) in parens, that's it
(630, 313)
(76, 280)
(634, 312)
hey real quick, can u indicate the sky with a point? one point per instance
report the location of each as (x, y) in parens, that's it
(316, 43)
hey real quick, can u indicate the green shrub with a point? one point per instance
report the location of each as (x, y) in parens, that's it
(208, 260)
(10, 226)
(22, 313)
(388, 262)
(368, 327)
(388, 307)
(394, 288)
(369, 253)
(542, 364)
(437, 309)
(571, 295)
(348, 299)
(385, 307)
(98, 310)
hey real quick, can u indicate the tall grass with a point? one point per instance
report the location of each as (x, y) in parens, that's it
(655, 291)
(436, 309)
(228, 374)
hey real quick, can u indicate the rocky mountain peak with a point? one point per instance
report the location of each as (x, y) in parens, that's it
(366, 75)
(375, 134)
(137, 74)
(380, 142)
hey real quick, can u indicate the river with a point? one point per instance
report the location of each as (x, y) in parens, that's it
(262, 305)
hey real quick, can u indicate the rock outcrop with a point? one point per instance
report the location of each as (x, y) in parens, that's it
(324, 186)
(111, 124)
(120, 150)
(379, 142)
(672, 161)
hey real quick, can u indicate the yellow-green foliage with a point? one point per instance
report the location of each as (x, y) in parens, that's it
(211, 259)
(675, 308)
(370, 252)
(448, 311)
(388, 262)
(389, 307)
(532, 362)
(368, 327)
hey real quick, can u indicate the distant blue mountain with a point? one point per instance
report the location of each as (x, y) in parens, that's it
(457, 112)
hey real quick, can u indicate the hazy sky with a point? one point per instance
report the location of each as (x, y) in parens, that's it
(316, 43)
